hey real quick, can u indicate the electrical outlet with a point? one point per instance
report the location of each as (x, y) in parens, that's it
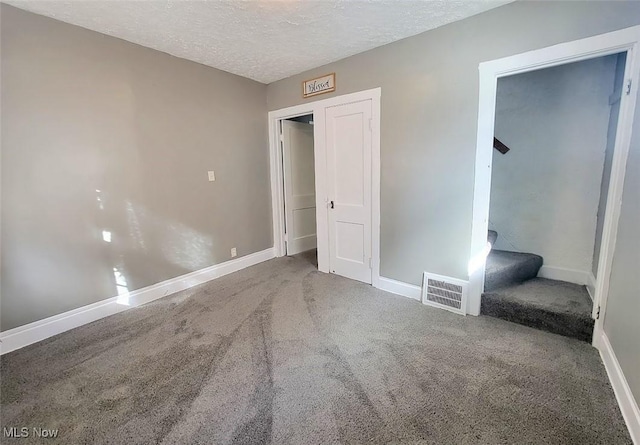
(212, 175)
(234, 252)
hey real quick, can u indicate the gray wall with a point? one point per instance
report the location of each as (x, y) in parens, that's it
(621, 323)
(83, 112)
(545, 191)
(429, 118)
(608, 158)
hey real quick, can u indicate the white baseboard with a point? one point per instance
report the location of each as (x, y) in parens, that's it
(562, 274)
(22, 336)
(400, 288)
(626, 401)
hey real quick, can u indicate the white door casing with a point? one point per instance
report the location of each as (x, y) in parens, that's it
(299, 186)
(348, 147)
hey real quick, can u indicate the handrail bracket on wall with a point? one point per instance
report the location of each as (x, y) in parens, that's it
(500, 146)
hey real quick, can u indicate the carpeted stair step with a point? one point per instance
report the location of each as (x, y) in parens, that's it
(549, 305)
(505, 268)
(492, 236)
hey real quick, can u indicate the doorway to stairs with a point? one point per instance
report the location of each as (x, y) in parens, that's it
(551, 192)
(550, 178)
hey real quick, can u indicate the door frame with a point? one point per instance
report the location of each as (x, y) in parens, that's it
(625, 40)
(320, 164)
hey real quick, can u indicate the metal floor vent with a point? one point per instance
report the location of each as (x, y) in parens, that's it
(445, 293)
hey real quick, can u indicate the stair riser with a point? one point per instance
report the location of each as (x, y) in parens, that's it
(568, 325)
(517, 274)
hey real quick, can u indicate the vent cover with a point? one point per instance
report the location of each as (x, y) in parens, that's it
(445, 293)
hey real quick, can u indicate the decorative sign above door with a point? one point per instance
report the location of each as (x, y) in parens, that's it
(319, 85)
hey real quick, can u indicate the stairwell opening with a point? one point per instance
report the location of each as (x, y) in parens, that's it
(549, 193)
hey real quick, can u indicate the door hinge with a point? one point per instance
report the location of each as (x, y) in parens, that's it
(629, 86)
(598, 313)
(286, 237)
(281, 137)
(370, 266)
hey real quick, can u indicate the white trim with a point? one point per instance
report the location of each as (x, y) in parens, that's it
(616, 183)
(375, 189)
(22, 336)
(627, 403)
(322, 201)
(400, 288)
(563, 274)
(277, 194)
(610, 43)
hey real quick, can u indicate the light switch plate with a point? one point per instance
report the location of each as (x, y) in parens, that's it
(234, 252)
(212, 175)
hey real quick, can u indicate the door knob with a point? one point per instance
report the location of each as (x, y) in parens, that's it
(331, 204)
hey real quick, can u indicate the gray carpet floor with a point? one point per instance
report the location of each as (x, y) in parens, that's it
(280, 353)
(554, 306)
(553, 295)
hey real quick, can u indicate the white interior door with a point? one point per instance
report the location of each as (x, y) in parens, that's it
(349, 145)
(299, 186)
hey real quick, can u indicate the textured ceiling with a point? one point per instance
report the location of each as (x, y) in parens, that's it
(264, 40)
